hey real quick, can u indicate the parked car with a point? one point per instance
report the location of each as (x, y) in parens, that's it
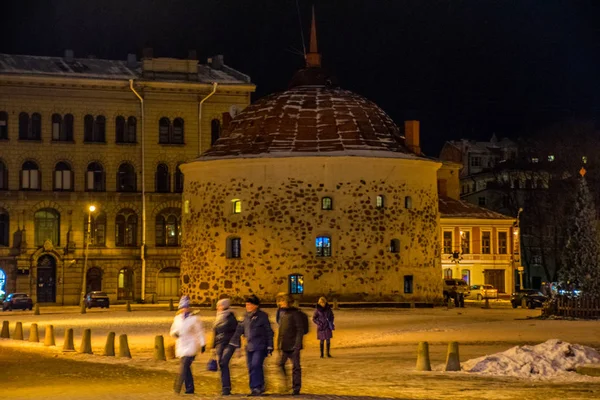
(454, 288)
(17, 300)
(480, 292)
(533, 298)
(97, 299)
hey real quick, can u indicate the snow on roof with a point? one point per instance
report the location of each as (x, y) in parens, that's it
(452, 208)
(92, 68)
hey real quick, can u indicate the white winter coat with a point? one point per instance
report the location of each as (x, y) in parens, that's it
(189, 333)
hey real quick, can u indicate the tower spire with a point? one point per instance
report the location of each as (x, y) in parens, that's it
(313, 58)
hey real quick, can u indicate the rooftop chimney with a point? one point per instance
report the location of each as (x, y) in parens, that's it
(192, 55)
(411, 136)
(217, 61)
(148, 52)
(131, 60)
(69, 55)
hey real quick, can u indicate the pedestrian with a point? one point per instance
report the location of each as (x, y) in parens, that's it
(224, 328)
(289, 339)
(256, 328)
(323, 318)
(187, 328)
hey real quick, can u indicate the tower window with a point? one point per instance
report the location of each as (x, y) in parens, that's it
(236, 206)
(326, 203)
(323, 246)
(296, 284)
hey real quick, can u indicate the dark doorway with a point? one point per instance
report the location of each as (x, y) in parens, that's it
(46, 279)
(495, 277)
(93, 280)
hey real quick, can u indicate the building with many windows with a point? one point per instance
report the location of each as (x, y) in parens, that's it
(111, 134)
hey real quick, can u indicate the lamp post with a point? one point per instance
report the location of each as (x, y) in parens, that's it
(517, 241)
(91, 209)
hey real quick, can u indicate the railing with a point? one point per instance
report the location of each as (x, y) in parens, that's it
(584, 307)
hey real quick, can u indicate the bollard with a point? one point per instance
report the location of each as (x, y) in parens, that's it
(34, 335)
(452, 360)
(18, 331)
(36, 309)
(170, 351)
(86, 342)
(128, 306)
(124, 347)
(171, 308)
(335, 304)
(423, 363)
(49, 336)
(68, 344)
(486, 304)
(159, 348)
(109, 348)
(523, 303)
(83, 308)
(5, 332)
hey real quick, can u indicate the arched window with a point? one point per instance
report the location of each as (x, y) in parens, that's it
(125, 284)
(120, 129)
(4, 231)
(234, 247)
(296, 284)
(168, 227)
(95, 178)
(323, 246)
(23, 126)
(163, 183)
(126, 228)
(131, 132)
(94, 130)
(408, 202)
(93, 280)
(164, 128)
(178, 180)
(126, 179)
(177, 131)
(3, 176)
(63, 177)
(56, 126)
(3, 125)
(448, 273)
(326, 203)
(68, 123)
(97, 230)
(36, 126)
(215, 131)
(380, 201)
(30, 176)
(88, 128)
(395, 246)
(47, 226)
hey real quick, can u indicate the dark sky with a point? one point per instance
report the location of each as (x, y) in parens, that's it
(465, 68)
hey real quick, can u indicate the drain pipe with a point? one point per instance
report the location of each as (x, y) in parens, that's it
(143, 246)
(214, 89)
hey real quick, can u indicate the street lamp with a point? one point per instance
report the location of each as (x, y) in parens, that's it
(91, 209)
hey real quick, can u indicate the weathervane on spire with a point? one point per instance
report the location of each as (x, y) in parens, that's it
(313, 58)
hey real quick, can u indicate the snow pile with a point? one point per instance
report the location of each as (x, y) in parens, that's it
(546, 360)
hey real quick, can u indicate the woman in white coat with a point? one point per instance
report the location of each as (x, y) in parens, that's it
(187, 328)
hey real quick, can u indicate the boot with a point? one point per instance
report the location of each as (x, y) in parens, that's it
(328, 347)
(321, 346)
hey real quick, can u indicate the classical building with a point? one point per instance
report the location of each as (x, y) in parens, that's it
(314, 191)
(112, 134)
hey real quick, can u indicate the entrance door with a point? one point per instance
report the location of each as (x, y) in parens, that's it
(495, 277)
(168, 284)
(125, 284)
(94, 280)
(46, 279)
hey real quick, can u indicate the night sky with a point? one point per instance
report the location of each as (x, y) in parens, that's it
(465, 68)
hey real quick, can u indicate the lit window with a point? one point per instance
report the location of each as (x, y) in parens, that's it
(502, 242)
(168, 227)
(296, 283)
(323, 246)
(30, 176)
(326, 203)
(448, 273)
(465, 242)
(380, 201)
(535, 160)
(447, 242)
(63, 177)
(408, 283)
(466, 276)
(486, 242)
(551, 157)
(237, 206)
(584, 159)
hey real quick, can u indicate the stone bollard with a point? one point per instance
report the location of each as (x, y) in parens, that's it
(423, 363)
(49, 336)
(36, 309)
(486, 304)
(171, 308)
(159, 348)
(335, 304)
(5, 332)
(124, 347)
(109, 348)
(18, 331)
(34, 335)
(68, 344)
(86, 342)
(170, 351)
(128, 306)
(83, 309)
(452, 360)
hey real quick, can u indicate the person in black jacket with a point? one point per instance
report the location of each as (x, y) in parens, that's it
(256, 327)
(224, 328)
(289, 339)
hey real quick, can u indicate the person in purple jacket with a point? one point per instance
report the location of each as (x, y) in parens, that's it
(323, 318)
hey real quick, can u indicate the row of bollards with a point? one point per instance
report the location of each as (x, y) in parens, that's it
(452, 359)
(86, 341)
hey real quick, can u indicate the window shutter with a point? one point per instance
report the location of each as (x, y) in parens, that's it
(58, 184)
(66, 180)
(33, 176)
(25, 179)
(90, 180)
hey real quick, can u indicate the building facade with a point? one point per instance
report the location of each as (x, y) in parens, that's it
(112, 134)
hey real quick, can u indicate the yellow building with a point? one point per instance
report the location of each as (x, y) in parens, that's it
(478, 245)
(79, 132)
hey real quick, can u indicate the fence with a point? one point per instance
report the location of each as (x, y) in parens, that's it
(574, 307)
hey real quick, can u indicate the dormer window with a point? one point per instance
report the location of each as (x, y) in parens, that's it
(326, 203)
(236, 206)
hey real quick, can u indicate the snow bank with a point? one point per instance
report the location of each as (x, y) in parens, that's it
(543, 361)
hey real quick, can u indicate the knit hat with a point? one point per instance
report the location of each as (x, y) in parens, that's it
(253, 299)
(184, 302)
(225, 303)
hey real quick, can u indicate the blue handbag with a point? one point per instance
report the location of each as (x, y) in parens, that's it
(212, 365)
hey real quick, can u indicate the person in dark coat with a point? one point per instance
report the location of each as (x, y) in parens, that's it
(323, 318)
(256, 327)
(289, 340)
(224, 328)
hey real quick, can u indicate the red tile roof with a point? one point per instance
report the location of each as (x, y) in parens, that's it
(451, 208)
